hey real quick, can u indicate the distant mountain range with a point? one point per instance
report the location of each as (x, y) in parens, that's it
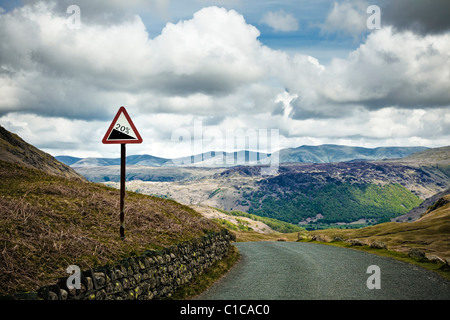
(329, 153)
(308, 154)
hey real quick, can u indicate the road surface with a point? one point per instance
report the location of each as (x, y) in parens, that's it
(308, 271)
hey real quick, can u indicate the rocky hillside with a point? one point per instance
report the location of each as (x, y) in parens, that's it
(357, 193)
(15, 150)
(420, 210)
(347, 192)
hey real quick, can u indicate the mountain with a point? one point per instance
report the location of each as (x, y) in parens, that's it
(221, 159)
(307, 154)
(141, 160)
(316, 186)
(206, 159)
(14, 149)
(329, 153)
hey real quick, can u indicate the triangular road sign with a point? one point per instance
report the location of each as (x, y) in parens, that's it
(122, 130)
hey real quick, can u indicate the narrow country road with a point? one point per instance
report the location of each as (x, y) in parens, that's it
(306, 271)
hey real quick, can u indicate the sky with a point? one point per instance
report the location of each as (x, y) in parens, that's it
(201, 75)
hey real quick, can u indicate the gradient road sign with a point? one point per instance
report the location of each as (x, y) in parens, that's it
(122, 131)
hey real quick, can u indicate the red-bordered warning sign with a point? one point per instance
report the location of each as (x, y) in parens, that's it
(122, 130)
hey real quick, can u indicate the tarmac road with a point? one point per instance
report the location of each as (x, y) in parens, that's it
(308, 271)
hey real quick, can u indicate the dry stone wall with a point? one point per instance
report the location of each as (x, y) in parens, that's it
(154, 275)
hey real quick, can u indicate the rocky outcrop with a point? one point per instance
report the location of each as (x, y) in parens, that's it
(378, 245)
(416, 253)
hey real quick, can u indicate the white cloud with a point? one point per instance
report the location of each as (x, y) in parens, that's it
(280, 21)
(212, 54)
(347, 17)
(393, 69)
(212, 67)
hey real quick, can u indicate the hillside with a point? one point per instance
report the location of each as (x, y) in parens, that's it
(146, 173)
(15, 150)
(363, 192)
(420, 210)
(429, 233)
(435, 155)
(436, 158)
(48, 223)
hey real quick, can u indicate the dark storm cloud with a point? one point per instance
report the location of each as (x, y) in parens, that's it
(423, 16)
(108, 11)
(325, 109)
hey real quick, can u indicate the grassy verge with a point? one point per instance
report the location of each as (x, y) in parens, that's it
(202, 282)
(249, 236)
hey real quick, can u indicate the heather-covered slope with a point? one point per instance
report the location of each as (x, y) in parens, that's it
(48, 223)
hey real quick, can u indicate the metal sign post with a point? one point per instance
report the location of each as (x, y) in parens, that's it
(122, 189)
(122, 131)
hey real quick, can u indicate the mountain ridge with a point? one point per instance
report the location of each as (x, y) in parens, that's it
(326, 153)
(329, 153)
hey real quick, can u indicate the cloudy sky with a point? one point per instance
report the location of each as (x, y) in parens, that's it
(319, 71)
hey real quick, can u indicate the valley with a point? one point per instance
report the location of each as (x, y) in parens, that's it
(351, 194)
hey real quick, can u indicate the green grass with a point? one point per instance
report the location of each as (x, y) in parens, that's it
(240, 226)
